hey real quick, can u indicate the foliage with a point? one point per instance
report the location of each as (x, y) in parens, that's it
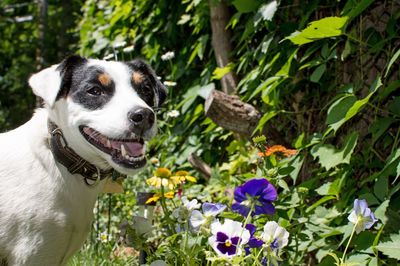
(324, 74)
(330, 90)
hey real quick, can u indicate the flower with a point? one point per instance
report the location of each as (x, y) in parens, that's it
(168, 56)
(154, 160)
(128, 49)
(119, 44)
(108, 57)
(173, 113)
(170, 83)
(227, 238)
(278, 149)
(157, 196)
(161, 178)
(103, 237)
(184, 211)
(275, 236)
(181, 176)
(253, 241)
(210, 210)
(361, 216)
(255, 192)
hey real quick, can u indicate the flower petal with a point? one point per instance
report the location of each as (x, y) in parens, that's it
(265, 208)
(254, 187)
(251, 228)
(241, 209)
(255, 243)
(269, 193)
(196, 219)
(212, 209)
(221, 237)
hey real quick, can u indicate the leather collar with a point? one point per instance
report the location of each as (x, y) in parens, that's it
(71, 160)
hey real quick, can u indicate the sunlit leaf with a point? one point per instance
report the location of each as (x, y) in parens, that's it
(316, 30)
(391, 248)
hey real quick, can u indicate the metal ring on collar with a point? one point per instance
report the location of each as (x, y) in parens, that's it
(96, 181)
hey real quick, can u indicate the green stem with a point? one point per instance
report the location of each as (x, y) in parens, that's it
(166, 211)
(348, 243)
(258, 255)
(248, 218)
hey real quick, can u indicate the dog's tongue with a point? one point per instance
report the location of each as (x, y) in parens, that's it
(134, 149)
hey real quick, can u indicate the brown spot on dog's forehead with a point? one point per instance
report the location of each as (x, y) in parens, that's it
(104, 79)
(137, 77)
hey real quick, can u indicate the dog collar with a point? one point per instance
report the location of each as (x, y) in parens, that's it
(71, 160)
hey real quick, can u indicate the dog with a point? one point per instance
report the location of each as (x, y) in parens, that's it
(96, 118)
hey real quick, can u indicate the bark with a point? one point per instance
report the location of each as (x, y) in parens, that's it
(229, 112)
(200, 166)
(221, 42)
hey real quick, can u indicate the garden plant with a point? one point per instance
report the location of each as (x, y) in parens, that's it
(315, 181)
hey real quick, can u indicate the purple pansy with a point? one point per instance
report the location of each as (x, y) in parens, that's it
(255, 191)
(227, 238)
(362, 216)
(253, 241)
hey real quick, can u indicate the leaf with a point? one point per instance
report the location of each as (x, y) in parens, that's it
(316, 30)
(392, 60)
(265, 119)
(246, 6)
(357, 10)
(380, 212)
(391, 248)
(184, 19)
(329, 157)
(336, 120)
(379, 127)
(219, 72)
(318, 72)
(319, 202)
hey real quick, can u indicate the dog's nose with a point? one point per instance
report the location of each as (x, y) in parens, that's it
(141, 119)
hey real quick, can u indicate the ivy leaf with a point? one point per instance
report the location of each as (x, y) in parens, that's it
(316, 30)
(391, 248)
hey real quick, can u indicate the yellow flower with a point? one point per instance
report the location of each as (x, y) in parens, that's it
(162, 177)
(157, 182)
(181, 176)
(162, 172)
(157, 196)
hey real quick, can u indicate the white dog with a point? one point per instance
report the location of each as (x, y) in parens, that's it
(97, 115)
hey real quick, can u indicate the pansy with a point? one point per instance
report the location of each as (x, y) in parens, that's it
(228, 238)
(255, 192)
(253, 241)
(210, 210)
(103, 237)
(274, 236)
(183, 212)
(361, 216)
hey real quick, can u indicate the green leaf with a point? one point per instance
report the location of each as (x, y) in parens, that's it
(391, 248)
(246, 6)
(265, 119)
(392, 60)
(316, 30)
(219, 72)
(318, 72)
(329, 157)
(353, 12)
(335, 113)
(380, 212)
(319, 202)
(379, 127)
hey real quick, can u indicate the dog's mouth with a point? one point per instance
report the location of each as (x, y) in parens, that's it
(128, 153)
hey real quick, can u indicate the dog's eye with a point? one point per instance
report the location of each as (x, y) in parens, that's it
(95, 91)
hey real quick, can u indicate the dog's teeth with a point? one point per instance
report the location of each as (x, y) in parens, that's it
(123, 151)
(108, 144)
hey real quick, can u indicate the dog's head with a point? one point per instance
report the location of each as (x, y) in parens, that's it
(105, 109)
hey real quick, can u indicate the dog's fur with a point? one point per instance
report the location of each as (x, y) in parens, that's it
(46, 212)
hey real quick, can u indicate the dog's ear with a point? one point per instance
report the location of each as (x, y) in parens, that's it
(54, 82)
(143, 67)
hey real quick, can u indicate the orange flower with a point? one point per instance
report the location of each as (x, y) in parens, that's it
(277, 149)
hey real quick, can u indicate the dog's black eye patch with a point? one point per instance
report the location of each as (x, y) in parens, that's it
(92, 87)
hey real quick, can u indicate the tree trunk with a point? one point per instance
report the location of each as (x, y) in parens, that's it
(221, 42)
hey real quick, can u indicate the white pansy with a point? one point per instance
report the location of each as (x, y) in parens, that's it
(274, 235)
(190, 205)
